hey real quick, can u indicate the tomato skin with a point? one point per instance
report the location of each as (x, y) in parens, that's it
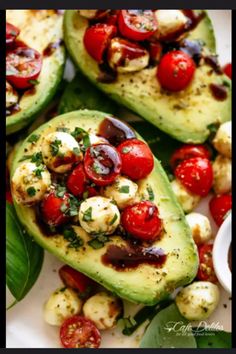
(196, 175)
(11, 33)
(27, 70)
(96, 39)
(129, 24)
(206, 270)
(155, 51)
(188, 151)
(76, 181)
(219, 205)
(175, 71)
(141, 220)
(227, 69)
(51, 209)
(77, 332)
(9, 197)
(76, 280)
(137, 159)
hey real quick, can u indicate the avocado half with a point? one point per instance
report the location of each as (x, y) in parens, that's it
(187, 115)
(38, 29)
(145, 284)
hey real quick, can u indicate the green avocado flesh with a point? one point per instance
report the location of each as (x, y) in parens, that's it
(146, 283)
(38, 29)
(185, 115)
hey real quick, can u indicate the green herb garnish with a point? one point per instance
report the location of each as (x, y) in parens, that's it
(62, 129)
(81, 134)
(31, 191)
(98, 241)
(124, 189)
(75, 241)
(76, 151)
(54, 147)
(88, 214)
(38, 172)
(37, 158)
(115, 217)
(33, 82)
(60, 191)
(150, 193)
(33, 138)
(126, 149)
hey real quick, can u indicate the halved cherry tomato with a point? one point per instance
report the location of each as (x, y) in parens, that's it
(9, 197)
(76, 280)
(23, 65)
(137, 159)
(206, 271)
(155, 51)
(142, 221)
(137, 25)
(92, 192)
(52, 209)
(188, 151)
(8, 190)
(79, 332)
(112, 18)
(219, 206)
(228, 70)
(176, 70)
(102, 164)
(76, 181)
(196, 175)
(96, 39)
(11, 33)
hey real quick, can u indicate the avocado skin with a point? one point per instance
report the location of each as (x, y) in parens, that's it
(185, 115)
(145, 284)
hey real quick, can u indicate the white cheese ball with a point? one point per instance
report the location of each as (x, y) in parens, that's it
(122, 191)
(198, 300)
(118, 60)
(60, 151)
(99, 215)
(11, 95)
(94, 139)
(186, 199)
(103, 309)
(169, 22)
(29, 183)
(62, 304)
(200, 227)
(223, 139)
(222, 171)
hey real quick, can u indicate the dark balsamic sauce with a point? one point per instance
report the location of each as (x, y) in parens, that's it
(219, 92)
(50, 49)
(13, 109)
(194, 18)
(115, 131)
(193, 49)
(106, 75)
(212, 61)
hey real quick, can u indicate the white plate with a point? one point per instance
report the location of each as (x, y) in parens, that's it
(25, 325)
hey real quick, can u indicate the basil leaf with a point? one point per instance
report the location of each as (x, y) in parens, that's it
(169, 329)
(124, 189)
(24, 257)
(212, 339)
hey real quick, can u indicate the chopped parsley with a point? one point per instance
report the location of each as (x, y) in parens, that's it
(88, 214)
(81, 134)
(76, 151)
(124, 189)
(97, 167)
(126, 149)
(60, 191)
(37, 158)
(98, 241)
(33, 138)
(38, 172)
(113, 220)
(31, 191)
(33, 82)
(54, 147)
(213, 127)
(75, 241)
(150, 193)
(62, 129)
(70, 207)
(85, 195)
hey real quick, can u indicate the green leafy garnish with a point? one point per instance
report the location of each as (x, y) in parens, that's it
(33, 138)
(113, 220)
(81, 134)
(63, 129)
(150, 193)
(37, 158)
(33, 82)
(31, 191)
(126, 149)
(88, 214)
(60, 191)
(38, 172)
(124, 189)
(98, 241)
(54, 147)
(212, 338)
(76, 151)
(75, 241)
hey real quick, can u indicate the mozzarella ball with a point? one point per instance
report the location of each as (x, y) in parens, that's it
(170, 22)
(11, 95)
(30, 183)
(99, 215)
(60, 151)
(103, 309)
(122, 191)
(200, 227)
(198, 300)
(222, 170)
(94, 139)
(120, 57)
(223, 139)
(62, 304)
(186, 199)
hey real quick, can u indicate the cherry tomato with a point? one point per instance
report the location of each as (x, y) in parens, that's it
(76, 181)
(206, 271)
(196, 175)
(96, 39)
(112, 18)
(188, 151)
(79, 332)
(76, 280)
(137, 159)
(155, 51)
(92, 192)
(11, 33)
(9, 197)
(228, 70)
(142, 221)
(219, 206)
(137, 25)
(175, 70)
(8, 190)
(23, 65)
(102, 164)
(52, 207)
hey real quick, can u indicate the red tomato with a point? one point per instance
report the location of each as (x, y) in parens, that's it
(96, 39)
(175, 70)
(79, 332)
(219, 205)
(76, 280)
(9, 197)
(137, 25)
(196, 175)
(102, 164)
(206, 271)
(92, 192)
(8, 190)
(142, 221)
(155, 51)
(76, 181)
(112, 18)
(188, 151)
(137, 159)
(23, 65)
(11, 33)
(228, 70)
(51, 209)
